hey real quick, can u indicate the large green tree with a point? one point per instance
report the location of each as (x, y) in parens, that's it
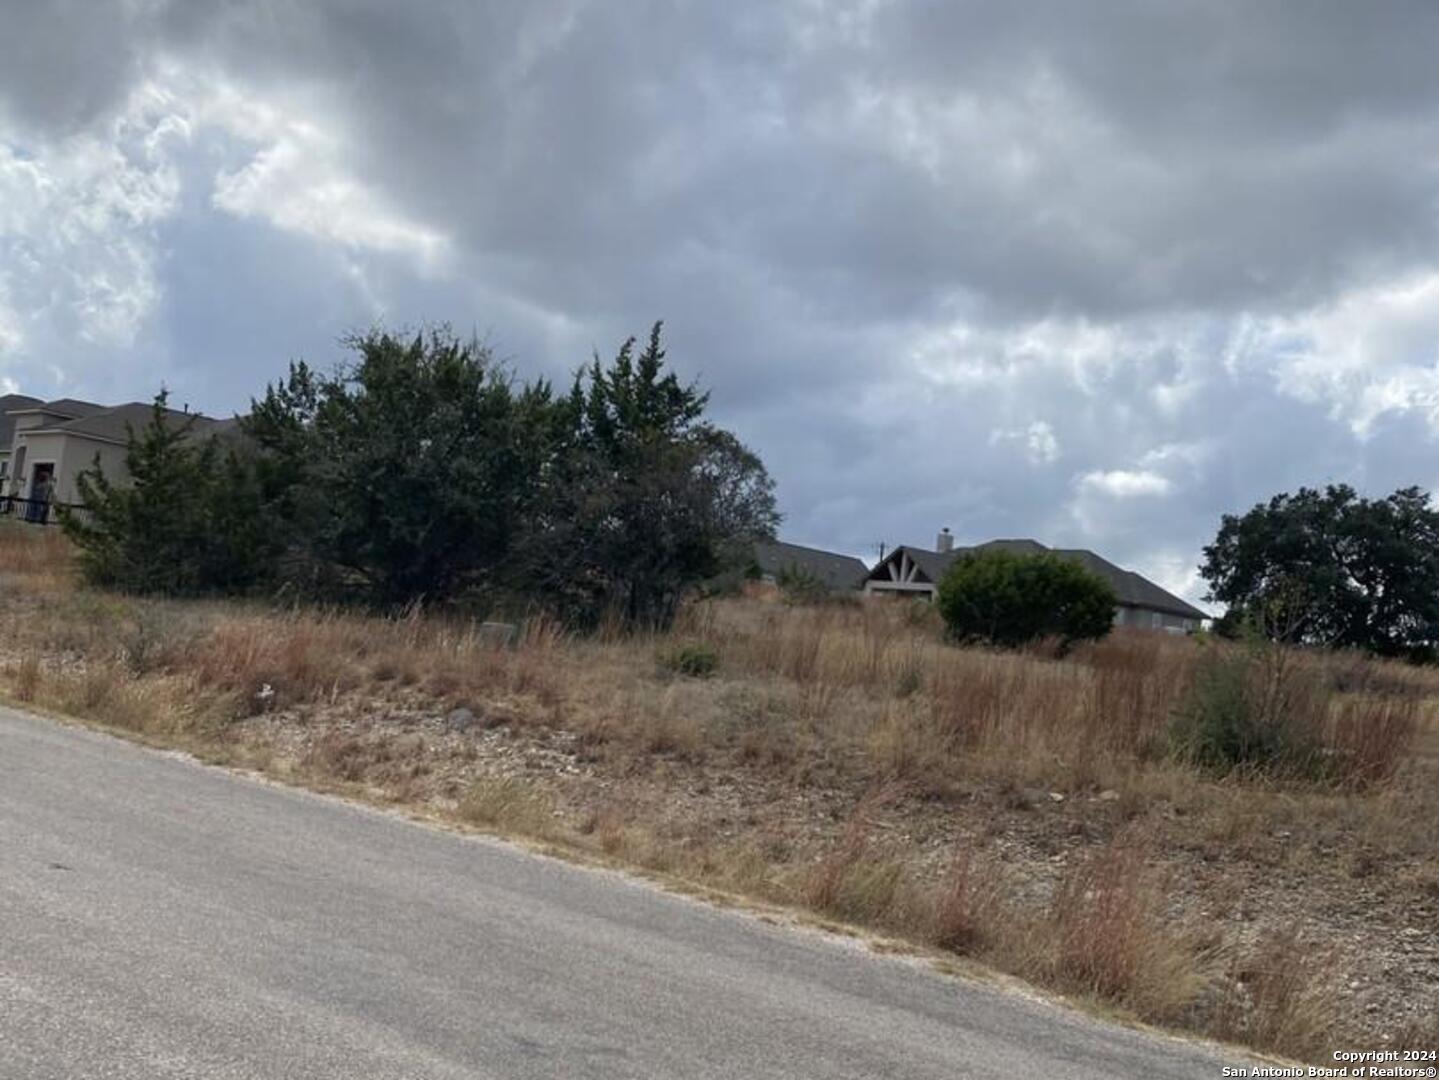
(405, 475)
(1008, 599)
(642, 498)
(184, 521)
(1347, 571)
(421, 471)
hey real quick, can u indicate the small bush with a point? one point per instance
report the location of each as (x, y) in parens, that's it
(1000, 598)
(798, 586)
(145, 639)
(1252, 709)
(696, 661)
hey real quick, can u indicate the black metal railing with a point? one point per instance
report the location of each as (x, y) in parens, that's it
(34, 511)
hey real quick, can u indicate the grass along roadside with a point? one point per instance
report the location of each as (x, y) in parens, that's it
(1017, 810)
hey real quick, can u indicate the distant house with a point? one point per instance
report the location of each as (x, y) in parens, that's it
(837, 572)
(10, 403)
(50, 443)
(910, 571)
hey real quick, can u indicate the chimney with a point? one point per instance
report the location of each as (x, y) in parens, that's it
(945, 543)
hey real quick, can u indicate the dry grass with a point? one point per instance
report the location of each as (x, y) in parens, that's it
(1114, 939)
(1018, 808)
(1284, 997)
(968, 906)
(510, 804)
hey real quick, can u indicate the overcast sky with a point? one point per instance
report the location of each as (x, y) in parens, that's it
(1093, 273)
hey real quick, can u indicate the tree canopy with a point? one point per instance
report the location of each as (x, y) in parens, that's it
(406, 475)
(423, 471)
(1008, 599)
(184, 520)
(644, 499)
(1349, 571)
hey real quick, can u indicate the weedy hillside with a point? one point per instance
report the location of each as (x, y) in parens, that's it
(1232, 840)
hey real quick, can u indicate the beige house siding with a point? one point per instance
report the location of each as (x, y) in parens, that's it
(70, 454)
(1147, 619)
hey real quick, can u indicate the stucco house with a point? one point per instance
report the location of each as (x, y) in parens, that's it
(916, 572)
(51, 442)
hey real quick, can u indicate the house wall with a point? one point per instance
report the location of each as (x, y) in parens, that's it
(80, 455)
(1145, 619)
(71, 455)
(16, 475)
(910, 590)
(38, 450)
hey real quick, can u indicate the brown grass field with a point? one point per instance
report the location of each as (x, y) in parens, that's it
(1017, 810)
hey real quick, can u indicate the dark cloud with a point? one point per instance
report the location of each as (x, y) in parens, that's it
(1016, 269)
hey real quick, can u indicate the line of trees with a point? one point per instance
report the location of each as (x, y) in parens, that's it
(423, 471)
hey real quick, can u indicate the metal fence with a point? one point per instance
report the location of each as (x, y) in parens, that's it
(34, 511)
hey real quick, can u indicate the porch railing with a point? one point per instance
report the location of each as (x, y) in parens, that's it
(34, 511)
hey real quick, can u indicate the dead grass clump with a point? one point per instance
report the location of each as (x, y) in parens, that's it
(269, 662)
(667, 730)
(25, 677)
(41, 555)
(908, 744)
(854, 883)
(967, 905)
(607, 827)
(1284, 998)
(1128, 706)
(1368, 738)
(340, 755)
(106, 692)
(510, 803)
(1111, 937)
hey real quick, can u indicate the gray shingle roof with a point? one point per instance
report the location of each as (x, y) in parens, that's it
(835, 570)
(9, 402)
(65, 406)
(114, 424)
(1132, 590)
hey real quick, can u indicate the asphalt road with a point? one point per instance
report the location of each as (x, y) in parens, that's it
(163, 919)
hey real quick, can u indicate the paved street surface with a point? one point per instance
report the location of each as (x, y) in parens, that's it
(162, 919)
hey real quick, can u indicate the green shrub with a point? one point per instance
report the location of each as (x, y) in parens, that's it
(798, 586)
(696, 661)
(1252, 709)
(1001, 598)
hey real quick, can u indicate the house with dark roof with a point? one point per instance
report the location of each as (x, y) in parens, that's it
(775, 558)
(916, 572)
(52, 442)
(10, 403)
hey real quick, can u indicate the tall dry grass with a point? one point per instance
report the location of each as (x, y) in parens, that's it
(852, 698)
